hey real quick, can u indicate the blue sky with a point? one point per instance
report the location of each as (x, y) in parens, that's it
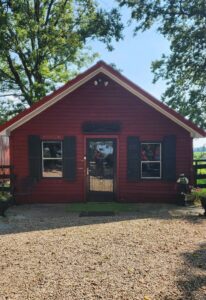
(134, 55)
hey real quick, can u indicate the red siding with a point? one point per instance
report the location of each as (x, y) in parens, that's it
(100, 103)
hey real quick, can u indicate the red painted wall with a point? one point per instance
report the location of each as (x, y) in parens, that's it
(99, 103)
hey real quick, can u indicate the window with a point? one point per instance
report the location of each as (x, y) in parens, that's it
(52, 159)
(150, 160)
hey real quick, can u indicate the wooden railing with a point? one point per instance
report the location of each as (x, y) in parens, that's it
(200, 172)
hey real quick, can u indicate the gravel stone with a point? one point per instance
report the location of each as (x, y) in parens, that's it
(157, 253)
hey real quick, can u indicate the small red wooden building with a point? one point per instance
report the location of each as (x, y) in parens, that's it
(99, 137)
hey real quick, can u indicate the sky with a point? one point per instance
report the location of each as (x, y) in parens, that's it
(134, 54)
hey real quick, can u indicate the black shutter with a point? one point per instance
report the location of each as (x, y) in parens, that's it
(169, 158)
(133, 158)
(69, 157)
(34, 149)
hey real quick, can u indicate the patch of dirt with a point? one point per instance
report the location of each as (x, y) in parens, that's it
(47, 253)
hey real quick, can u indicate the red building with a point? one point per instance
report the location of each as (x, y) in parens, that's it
(99, 137)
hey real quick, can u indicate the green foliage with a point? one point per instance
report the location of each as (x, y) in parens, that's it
(199, 155)
(44, 44)
(199, 193)
(183, 23)
(9, 108)
(4, 196)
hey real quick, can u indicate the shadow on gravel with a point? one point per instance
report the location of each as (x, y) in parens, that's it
(193, 283)
(35, 217)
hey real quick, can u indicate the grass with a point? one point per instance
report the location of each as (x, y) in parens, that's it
(102, 207)
(201, 181)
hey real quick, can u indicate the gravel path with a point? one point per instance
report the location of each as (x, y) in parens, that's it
(153, 254)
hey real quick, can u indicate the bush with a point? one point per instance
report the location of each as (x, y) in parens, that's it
(200, 195)
(6, 201)
(5, 196)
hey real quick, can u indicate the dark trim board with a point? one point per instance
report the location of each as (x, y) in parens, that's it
(101, 127)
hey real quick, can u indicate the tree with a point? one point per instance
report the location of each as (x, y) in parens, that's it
(183, 23)
(44, 43)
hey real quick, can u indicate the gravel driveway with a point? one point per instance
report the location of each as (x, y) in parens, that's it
(156, 253)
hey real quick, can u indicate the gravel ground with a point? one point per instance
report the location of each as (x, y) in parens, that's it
(156, 253)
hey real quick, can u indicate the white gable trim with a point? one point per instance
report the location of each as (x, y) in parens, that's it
(72, 88)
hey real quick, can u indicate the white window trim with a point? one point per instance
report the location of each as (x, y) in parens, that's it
(153, 161)
(51, 158)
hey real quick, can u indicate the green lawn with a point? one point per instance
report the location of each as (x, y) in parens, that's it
(102, 207)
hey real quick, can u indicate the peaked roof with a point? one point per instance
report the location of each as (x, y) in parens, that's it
(100, 67)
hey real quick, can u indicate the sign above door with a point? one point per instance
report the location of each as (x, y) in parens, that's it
(101, 127)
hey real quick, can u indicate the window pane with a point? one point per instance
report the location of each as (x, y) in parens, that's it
(150, 152)
(52, 149)
(150, 170)
(52, 168)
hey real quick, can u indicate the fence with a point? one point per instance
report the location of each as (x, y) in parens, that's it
(200, 172)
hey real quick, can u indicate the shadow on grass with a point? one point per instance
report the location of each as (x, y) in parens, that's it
(35, 217)
(193, 283)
